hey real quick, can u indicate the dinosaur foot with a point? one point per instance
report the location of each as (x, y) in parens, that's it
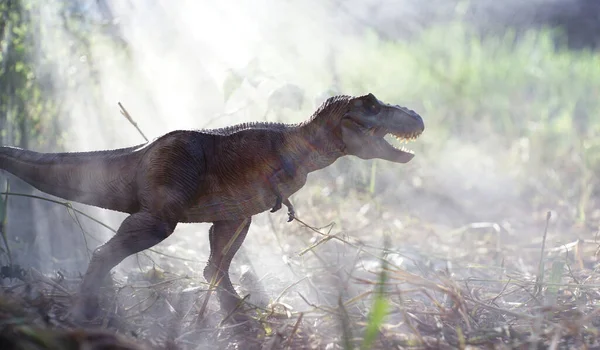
(238, 317)
(291, 212)
(85, 309)
(241, 328)
(236, 311)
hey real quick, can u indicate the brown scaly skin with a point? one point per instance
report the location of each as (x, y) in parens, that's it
(223, 176)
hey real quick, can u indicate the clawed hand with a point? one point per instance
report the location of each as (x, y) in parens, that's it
(288, 204)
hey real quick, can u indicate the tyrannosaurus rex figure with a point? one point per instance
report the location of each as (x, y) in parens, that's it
(223, 176)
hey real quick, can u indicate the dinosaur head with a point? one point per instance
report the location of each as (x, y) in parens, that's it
(367, 122)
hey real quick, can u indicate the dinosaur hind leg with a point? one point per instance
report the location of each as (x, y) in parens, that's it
(167, 184)
(226, 238)
(138, 232)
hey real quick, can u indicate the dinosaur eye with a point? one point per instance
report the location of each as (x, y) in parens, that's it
(371, 105)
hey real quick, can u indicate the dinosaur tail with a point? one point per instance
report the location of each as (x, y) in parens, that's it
(98, 178)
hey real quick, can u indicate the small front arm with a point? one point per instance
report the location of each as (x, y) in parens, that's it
(287, 203)
(286, 174)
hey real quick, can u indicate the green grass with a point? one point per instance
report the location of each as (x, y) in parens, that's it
(379, 309)
(459, 78)
(537, 101)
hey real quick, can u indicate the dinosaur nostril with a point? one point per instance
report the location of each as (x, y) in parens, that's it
(417, 118)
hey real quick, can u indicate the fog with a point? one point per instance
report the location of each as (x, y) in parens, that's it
(205, 64)
(169, 64)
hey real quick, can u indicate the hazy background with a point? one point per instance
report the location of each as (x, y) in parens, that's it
(508, 91)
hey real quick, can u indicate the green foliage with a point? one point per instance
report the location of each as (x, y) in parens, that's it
(377, 315)
(523, 92)
(31, 111)
(555, 280)
(3, 223)
(26, 113)
(379, 310)
(516, 88)
(459, 78)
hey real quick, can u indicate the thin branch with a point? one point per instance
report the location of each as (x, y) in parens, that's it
(128, 117)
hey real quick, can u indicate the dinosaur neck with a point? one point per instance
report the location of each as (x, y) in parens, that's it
(317, 143)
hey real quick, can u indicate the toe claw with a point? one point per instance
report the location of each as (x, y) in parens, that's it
(291, 215)
(291, 212)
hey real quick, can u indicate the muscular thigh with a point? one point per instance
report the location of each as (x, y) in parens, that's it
(171, 177)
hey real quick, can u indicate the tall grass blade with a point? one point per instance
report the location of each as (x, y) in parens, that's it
(554, 281)
(347, 337)
(379, 310)
(3, 224)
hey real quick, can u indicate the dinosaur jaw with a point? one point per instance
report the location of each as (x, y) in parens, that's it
(377, 142)
(392, 143)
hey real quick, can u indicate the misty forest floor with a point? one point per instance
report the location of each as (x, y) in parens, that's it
(425, 262)
(445, 285)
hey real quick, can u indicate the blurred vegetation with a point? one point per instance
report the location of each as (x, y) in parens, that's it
(538, 102)
(25, 113)
(32, 102)
(522, 92)
(31, 107)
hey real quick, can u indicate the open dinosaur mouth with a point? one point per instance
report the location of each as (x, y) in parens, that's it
(397, 141)
(394, 140)
(378, 141)
(372, 129)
